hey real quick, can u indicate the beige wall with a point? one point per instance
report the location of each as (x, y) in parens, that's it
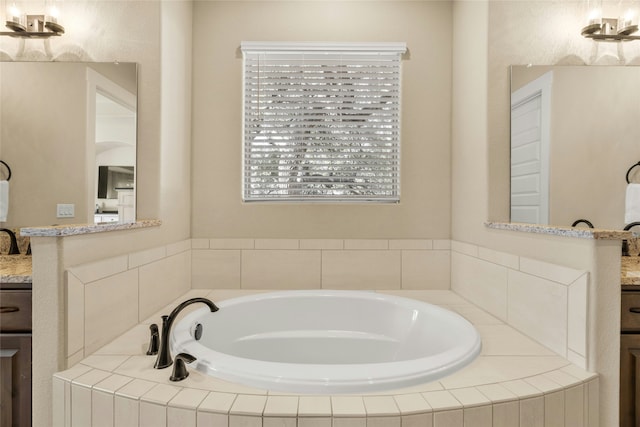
(219, 27)
(538, 32)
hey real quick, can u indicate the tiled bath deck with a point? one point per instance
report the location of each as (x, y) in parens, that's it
(515, 382)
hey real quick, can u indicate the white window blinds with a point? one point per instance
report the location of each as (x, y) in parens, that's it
(322, 122)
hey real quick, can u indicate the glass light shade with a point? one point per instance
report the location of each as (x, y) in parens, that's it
(628, 18)
(16, 20)
(593, 16)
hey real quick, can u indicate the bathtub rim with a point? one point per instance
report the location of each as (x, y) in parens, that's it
(346, 378)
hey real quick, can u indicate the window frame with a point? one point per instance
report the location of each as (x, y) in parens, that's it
(393, 50)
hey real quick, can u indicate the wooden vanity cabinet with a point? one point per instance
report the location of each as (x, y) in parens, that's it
(15, 355)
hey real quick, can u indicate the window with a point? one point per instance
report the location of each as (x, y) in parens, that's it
(321, 122)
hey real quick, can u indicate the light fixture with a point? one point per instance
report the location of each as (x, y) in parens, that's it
(38, 26)
(618, 29)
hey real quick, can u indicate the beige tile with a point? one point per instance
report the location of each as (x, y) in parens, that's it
(281, 244)
(135, 389)
(178, 247)
(71, 373)
(414, 403)
(528, 297)
(441, 244)
(543, 383)
(574, 406)
(475, 315)
(383, 421)
(441, 400)
(244, 421)
(127, 412)
(553, 272)
(532, 412)
(217, 402)
(162, 282)
(369, 269)
(92, 377)
(479, 416)
(75, 358)
(250, 405)
(152, 415)
(281, 269)
(99, 270)
(134, 341)
(188, 398)
(212, 420)
(575, 358)
(500, 258)
(160, 394)
(349, 422)
(464, 248)
(148, 256)
(232, 244)
(61, 407)
(115, 294)
(281, 406)
(506, 414)
(417, 420)
(503, 340)
(314, 406)
(470, 397)
(279, 422)
(366, 244)
(80, 405)
(496, 393)
(426, 269)
(348, 406)
(480, 281)
(314, 422)
(592, 413)
(448, 418)
(413, 244)
(521, 389)
(104, 362)
(199, 243)
(112, 383)
(180, 417)
(577, 316)
(212, 269)
(102, 407)
(381, 406)
(554, 410)
(562, 378)
(322, 244)
(75, 314)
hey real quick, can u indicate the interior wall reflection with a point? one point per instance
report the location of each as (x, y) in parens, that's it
(593, 132)
(56, 130)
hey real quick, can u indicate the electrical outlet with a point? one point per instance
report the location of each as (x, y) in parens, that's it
(66, 210)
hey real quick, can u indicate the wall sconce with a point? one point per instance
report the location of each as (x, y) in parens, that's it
(38, 26)
(617, 29)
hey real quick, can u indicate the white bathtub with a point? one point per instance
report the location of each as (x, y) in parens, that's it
(327, 341)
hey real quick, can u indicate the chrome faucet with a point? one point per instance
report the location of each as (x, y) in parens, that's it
(164, 353)
(13, 248)
(625, 244)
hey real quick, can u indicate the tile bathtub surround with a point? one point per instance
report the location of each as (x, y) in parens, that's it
(515, 382)
(516, 290)
(108, 297)
(321, 263)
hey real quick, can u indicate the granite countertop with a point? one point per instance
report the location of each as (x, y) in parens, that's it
(15, 269)
(630, 270)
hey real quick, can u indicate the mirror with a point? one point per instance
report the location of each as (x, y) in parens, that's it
(61, 124)
(575, 132)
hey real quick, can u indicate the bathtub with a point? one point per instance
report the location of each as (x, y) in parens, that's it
(325, 341)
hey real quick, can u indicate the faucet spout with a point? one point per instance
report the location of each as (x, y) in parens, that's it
(164, 353)
(13, 248)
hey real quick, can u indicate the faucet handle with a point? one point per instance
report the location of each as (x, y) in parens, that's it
(180, 371)
(154, 341)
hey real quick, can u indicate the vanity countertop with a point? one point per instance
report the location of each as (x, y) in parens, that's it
(15, 269)
(630, 270)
